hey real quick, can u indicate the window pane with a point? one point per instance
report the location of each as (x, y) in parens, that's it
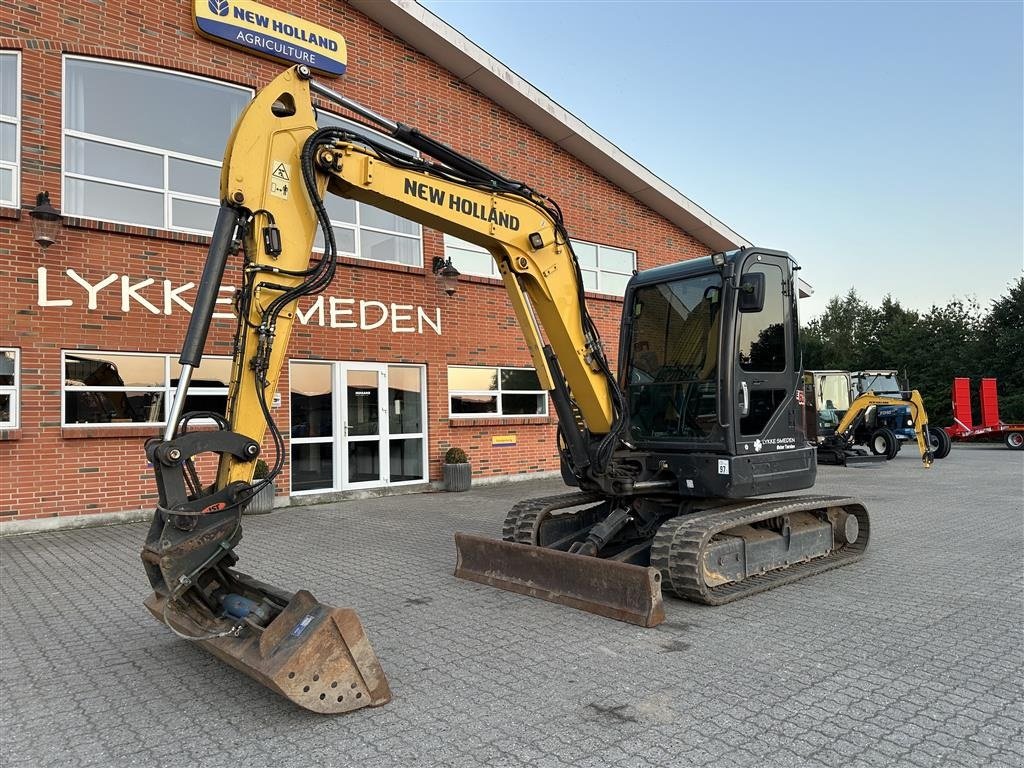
(193, 178)
(312, 466)
(375, 217)
(612, 283)
(468, 258)
(110, 369)
(617, 259)
(94, 199)
(586, 254)
(381, 247)
(8, 85)
(363, 409)
(312, 414)
(406, 459)
(363, 462)
(188, 214)
(405, 401)
(474, 404)
(472, 262)
(5, 408)
(762, 336)
(85, 407)
(344, 240)
(91, 158)
(212, 372)
(150, 107)
(519, 378)
(8, 142)
(6, 184)
(7, 368)
(340, 209)
(589, 280)
(472, 379)
(522, 405)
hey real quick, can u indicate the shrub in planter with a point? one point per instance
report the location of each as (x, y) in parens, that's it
(263, 501)
(457, 473)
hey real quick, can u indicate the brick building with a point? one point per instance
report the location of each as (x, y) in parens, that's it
(120, 111)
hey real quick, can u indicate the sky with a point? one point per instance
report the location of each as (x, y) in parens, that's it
(881, 144)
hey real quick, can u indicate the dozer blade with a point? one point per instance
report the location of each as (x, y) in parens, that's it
(629, 593)
(312, 654)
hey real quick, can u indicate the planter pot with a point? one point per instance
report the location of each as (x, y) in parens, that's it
(457, 477)
(262, 502)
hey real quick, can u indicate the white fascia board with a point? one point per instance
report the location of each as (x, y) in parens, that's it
(452, 50)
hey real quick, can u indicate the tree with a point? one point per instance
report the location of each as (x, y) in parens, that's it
(835, 339)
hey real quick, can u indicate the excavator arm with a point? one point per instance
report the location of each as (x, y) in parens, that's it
(277, 168)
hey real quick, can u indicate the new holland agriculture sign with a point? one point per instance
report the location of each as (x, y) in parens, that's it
(270, 32)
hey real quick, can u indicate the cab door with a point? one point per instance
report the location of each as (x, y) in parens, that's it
(767, 412)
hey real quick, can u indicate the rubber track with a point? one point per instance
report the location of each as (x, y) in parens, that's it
(521, 521)
(680, 542)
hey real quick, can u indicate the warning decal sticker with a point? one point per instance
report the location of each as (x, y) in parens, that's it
(280, 180)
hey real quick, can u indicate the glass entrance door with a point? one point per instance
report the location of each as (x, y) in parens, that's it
(357, 425)
(363, 413)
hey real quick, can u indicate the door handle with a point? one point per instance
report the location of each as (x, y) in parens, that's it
(745, 399)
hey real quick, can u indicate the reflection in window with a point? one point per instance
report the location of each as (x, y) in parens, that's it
(672, 373)
(119, 387)
(363, 231)
(144, 146)
(475, 390)
(405, 400)
(10, 112)
(9, 384)
(312, 466)
(762, 335)
(312, 400)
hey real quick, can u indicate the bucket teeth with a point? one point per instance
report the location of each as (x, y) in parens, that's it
(313, 654)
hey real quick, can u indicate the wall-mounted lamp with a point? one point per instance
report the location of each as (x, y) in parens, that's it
(447, 275)
(45, 221)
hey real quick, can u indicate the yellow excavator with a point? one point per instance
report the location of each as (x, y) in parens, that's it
(666, 458)
(840, 425)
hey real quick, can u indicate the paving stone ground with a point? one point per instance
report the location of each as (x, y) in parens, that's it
(912, 657)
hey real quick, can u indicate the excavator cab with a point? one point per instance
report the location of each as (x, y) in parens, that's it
(710, 372)
(711, 366)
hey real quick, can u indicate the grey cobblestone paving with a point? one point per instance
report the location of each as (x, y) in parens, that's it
(912, 657)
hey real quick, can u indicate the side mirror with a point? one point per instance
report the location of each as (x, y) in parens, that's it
(751, 297)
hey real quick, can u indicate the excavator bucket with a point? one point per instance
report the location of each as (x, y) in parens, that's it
(629, 593)
(312, 654)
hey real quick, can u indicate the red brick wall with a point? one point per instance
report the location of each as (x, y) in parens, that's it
(44, 469)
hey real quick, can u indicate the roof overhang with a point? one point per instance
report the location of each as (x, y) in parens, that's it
(444, 45)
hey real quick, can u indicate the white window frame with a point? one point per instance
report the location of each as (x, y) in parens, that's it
(15, 168)
(496, 393)
(358, 227)
(13, 390)
(452, 242)
(169, 195)
(166, 390)
(337, 439)
(601, 271)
